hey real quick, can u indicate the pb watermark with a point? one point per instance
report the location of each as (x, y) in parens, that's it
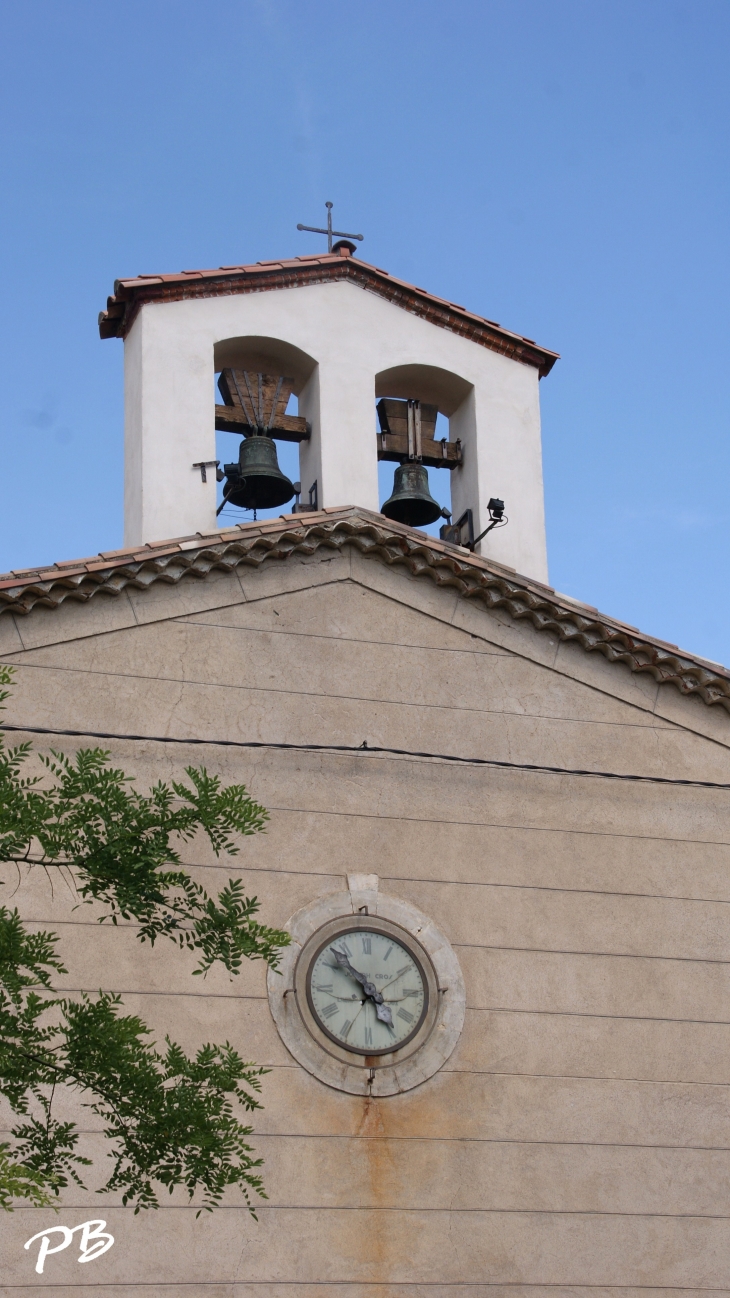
(92, 1243)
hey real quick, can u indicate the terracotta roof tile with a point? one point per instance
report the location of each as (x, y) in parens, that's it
(130, 294)
(115, 554)
(497, 585)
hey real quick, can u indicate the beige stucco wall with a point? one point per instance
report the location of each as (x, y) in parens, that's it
(577, 1138)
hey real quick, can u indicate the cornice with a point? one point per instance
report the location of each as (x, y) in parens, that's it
(253, 544)
(130, 295)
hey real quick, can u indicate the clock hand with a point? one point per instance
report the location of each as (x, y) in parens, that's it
(344, 963)
(369, 988)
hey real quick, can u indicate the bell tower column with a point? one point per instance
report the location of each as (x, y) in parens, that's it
(498, 424)
(340, 456)
(169, 426)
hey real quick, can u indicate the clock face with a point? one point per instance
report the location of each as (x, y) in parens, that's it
(367, 991)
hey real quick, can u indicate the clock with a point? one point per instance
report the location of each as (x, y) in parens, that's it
(367, 990)
(368, 997)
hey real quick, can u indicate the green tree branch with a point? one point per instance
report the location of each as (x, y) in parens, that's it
(170, 1118)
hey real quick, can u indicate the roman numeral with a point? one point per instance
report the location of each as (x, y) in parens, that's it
(346, 1027)
(327, 987)
(366, 946)
(407, 991)
(345, 948)
(329, 1010)
(403, 1014)
(388, 952)
(368, 1036)
(406, 969)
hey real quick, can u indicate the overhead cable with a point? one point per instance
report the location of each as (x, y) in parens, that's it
(370, 750)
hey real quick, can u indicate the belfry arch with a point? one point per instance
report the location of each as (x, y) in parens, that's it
(257, 375)
(453, 396)
(269, 355)
(428, 383)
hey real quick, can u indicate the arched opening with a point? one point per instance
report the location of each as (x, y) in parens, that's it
(270, 355)
(439, 394)
(256, 355)
(425, 383)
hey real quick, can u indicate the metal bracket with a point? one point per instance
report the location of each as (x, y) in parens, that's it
(313, 506)
(203, 465)
(462, 531)
(415, 449)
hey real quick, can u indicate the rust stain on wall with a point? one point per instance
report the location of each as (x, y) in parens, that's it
(379, 1173)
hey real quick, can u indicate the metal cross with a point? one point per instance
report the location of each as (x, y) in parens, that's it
(339, 234)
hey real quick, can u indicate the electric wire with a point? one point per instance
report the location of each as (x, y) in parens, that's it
(371, 750)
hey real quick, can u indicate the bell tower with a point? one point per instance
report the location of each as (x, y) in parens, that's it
(371, 360)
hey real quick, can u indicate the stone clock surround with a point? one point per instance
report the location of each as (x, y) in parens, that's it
(359, 1078)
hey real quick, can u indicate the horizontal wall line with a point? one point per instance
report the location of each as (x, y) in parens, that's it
(339, 1285)
(547, 887)
(262, 998)
(652, 727)
(498, 824)
(588, 1014)
(186, 620)
(465, 946)
(599, 1078)
(608, 955)
(442, 1212)
(458, 1140)
(555, 1077)
(386, 1285)
(236, 864)
(486, 1140)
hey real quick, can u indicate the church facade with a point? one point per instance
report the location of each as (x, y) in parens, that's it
(522, 802)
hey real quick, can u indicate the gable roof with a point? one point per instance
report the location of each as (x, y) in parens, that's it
(251, 544)
(131, 294)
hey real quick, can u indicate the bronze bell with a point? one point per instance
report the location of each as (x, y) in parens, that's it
(256, 482)
(411, 502)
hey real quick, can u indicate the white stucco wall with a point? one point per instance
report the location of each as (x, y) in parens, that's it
(352, 335)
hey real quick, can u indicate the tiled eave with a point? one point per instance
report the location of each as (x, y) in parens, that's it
(131, 294)
(252, 544)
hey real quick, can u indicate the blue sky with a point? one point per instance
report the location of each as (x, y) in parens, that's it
(558, 166)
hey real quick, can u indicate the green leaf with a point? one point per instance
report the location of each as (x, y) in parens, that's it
(171, 1120)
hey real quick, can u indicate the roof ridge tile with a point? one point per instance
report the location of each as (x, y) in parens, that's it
(115, 323)
(497, 584)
